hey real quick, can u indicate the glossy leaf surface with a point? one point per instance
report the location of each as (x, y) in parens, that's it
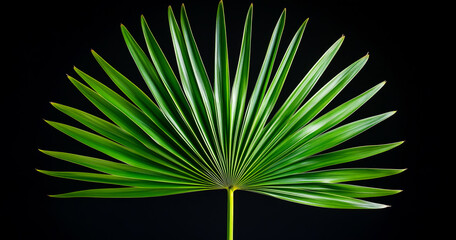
(200, 132)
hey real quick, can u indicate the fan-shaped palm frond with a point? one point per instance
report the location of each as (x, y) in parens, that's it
(197, 135)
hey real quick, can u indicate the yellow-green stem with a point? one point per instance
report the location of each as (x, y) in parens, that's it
(230, 214)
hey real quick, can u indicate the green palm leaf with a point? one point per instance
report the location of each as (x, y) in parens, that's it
(192, 136)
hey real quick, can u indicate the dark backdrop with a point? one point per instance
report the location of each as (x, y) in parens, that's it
(48, 39)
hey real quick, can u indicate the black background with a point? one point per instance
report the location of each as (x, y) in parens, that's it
(48, 39)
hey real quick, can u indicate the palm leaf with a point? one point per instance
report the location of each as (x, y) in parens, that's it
(192, 136)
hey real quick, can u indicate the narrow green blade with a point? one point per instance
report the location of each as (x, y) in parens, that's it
(118, 169)
(316, 145)
(275, 87)
(320, 199)
(332, 158)
(239, 90)
(122, 153)
(114, 133)
(271, 96)
(327, 93)
(261, 84)
(199, 71)
(337, 136)
(314, 105)
(334, 176)
(302, 90)
(193, 94)
(295, 99)
(346, 190)
(148, 107)
(136, 95)
(325, 122)
(102, 127)
(111, 179)
(127, 192)
(136, 115)
(169, 94)
(139, 118)
(113, 113)
(222, 80)
(159, 77)
(201, 78)
(166, 91)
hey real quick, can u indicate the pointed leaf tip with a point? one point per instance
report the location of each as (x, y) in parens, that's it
(304, 23)
(220, 5)
(182, 10)
(44, 151)
(96, 55)
(388, 114)
(170, 10)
